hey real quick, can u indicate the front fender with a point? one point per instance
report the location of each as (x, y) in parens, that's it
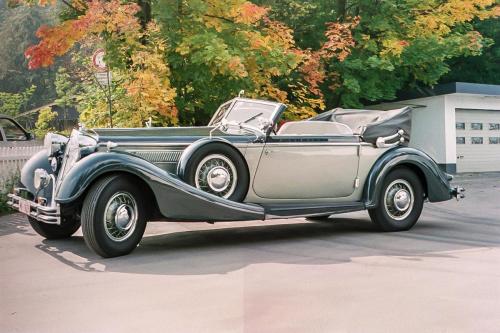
(175, 199)
(437, 184)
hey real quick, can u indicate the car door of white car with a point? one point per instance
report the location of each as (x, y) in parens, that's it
(307, 167)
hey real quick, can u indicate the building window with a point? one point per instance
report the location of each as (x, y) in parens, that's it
(494, 126)
(494, 141)
(460, 126)
(477, 140)
(460, 140)
(476, 126)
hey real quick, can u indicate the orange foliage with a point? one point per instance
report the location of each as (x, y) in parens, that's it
(111, 17)
(339, 40)
(338, 46)
(250, 13)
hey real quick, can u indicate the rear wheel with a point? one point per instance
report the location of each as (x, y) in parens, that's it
(113, 216)
(400, 202)
(53, 231)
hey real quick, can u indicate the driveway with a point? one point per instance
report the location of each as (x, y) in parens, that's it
(339, 275)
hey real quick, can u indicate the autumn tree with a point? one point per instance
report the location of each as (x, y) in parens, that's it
(190, 55)
(398, 44)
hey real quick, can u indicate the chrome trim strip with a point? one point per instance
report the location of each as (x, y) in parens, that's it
(148, 144)
(311, 144)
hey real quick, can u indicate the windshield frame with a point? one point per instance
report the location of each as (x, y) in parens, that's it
(218, 117)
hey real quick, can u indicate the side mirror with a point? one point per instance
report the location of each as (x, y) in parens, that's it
(30, 136)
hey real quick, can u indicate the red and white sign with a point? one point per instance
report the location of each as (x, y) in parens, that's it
(98, 60)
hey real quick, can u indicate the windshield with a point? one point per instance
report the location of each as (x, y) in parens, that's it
(249, 112)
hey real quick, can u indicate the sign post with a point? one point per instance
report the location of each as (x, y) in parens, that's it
(104, 78)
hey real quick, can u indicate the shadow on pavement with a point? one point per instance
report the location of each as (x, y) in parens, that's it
(443, 228)
(337, 240)
(15, 224)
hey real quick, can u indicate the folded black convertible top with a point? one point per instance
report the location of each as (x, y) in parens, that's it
(371, 124)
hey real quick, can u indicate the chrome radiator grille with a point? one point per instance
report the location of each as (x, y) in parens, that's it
(158, 156)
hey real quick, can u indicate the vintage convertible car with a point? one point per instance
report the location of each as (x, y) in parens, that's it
(239, 167)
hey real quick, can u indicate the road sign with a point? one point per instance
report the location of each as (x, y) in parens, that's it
(104, 78)
(98, 60)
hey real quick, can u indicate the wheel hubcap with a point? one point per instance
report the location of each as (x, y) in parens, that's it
(402, 200)
(120, 216)
(399, 199)
(216, 174)
(218, 179)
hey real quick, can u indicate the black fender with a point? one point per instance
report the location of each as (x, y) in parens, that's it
(437, 182)
(192, 148)
(175, 199)
(38, 161)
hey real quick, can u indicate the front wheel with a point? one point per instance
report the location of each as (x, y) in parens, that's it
(113, 216)
(53, 231)
(400, 202)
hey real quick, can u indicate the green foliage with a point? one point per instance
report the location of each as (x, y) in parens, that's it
(13, 103)
(399, 44)
(7, 183)
(43, 124)
(484, 68)
(66, 88)
(177, 60)
(17, 32)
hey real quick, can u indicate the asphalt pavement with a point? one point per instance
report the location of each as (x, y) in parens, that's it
(338, 275)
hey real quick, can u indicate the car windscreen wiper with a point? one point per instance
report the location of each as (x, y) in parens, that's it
(252, 118)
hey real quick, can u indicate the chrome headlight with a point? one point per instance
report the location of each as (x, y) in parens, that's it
(54, 143)
(41, 179)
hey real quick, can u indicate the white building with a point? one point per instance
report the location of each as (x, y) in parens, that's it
(458, 124)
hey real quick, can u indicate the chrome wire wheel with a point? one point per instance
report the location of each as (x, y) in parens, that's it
(120, 216)
(216, 174)
(399, 199)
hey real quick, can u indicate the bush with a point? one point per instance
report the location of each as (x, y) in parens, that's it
(44, 123)
(6, 185)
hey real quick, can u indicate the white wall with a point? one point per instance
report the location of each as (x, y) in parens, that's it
(428, 123)
(433, 121)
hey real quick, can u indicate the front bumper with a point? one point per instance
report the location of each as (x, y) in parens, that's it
(47, 214)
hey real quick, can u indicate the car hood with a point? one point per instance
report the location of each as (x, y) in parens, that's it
(164, 134)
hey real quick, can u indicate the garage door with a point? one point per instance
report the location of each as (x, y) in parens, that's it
(478, 140)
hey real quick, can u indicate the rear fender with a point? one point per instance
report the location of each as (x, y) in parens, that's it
(436, 181)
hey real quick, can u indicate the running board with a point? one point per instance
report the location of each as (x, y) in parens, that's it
(276, 211)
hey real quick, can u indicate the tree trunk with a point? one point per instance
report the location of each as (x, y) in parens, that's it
(341, 8)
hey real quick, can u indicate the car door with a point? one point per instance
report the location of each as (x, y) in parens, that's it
(307, 167)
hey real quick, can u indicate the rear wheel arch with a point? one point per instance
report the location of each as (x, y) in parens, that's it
(417, 170)
(377, 176)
